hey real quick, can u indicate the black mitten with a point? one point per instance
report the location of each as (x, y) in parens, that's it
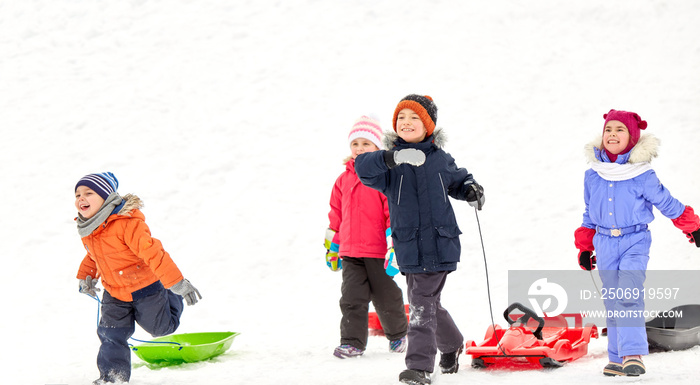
(475, 195)
(587, 260)
(695, 236)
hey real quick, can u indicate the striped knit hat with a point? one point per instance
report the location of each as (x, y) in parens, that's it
(103, 183)
(367, 128)
(421, 105)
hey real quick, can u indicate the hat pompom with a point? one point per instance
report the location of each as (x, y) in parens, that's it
(642, 124)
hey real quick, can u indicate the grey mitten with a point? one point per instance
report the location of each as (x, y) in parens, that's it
(411, 156)
(187, 291)
(88, 286)
(475, 196)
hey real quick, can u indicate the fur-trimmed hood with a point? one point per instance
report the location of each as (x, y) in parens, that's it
(131, 203)
(644, 151)
(390, 137)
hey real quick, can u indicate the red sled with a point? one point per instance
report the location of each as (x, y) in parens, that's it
(375, 327)
(531, 341)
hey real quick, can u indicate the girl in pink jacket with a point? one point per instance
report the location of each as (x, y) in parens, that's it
(357, 236)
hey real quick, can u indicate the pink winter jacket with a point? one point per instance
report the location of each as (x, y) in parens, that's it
(360, 216)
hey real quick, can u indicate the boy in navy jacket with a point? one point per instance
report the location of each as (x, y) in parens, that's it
(417, 177)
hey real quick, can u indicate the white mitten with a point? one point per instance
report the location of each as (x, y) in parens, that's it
(411, 156)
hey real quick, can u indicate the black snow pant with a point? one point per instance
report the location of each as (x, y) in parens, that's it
(156, 309)
(365, 280)
(431, 327)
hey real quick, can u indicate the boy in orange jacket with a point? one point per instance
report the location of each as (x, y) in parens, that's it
(142, 283)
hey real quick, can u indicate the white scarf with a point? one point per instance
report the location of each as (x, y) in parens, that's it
(616, 172)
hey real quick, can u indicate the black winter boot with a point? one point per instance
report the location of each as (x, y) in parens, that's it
(449, 362)
(414, 377)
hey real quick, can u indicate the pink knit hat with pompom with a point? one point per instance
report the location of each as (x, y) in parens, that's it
(631, 120)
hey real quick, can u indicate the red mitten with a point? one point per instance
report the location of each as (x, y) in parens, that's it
(583, 239)
(689, 224)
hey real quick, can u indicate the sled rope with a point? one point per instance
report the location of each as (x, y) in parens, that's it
(488, 285)
(99, 303)
(594, 284)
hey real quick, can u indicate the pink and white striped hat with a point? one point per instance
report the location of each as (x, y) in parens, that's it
(367, 128)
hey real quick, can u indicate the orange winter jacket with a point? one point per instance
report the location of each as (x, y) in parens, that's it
(123, 254)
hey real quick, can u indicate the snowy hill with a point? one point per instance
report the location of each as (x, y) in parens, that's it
(230, 119)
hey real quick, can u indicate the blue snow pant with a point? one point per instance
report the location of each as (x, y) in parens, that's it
(622, 264)
(430, 327)
(156, 310)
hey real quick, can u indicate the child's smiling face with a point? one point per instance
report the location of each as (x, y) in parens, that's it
(616, 137)
(361, 145)
(410, 127)
(87, 201)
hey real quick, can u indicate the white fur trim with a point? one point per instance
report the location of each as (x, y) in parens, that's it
(638, 163)
(439, 138)
(645, 150)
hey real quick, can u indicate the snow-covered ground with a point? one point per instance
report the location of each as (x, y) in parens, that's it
(230, 118)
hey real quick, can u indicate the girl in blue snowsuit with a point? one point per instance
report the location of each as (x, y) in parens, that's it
(620, 189)
(417, 177)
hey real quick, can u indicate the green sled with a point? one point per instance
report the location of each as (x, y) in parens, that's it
(187, 347)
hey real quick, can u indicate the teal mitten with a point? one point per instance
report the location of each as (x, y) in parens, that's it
(390, 265)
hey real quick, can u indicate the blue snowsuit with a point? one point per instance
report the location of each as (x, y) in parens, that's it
(425, 236)
(619, 198)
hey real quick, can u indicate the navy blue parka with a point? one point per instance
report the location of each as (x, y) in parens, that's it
(424, 227)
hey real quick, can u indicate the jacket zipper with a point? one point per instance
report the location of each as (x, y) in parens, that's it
(444, 195)
(398, 202)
